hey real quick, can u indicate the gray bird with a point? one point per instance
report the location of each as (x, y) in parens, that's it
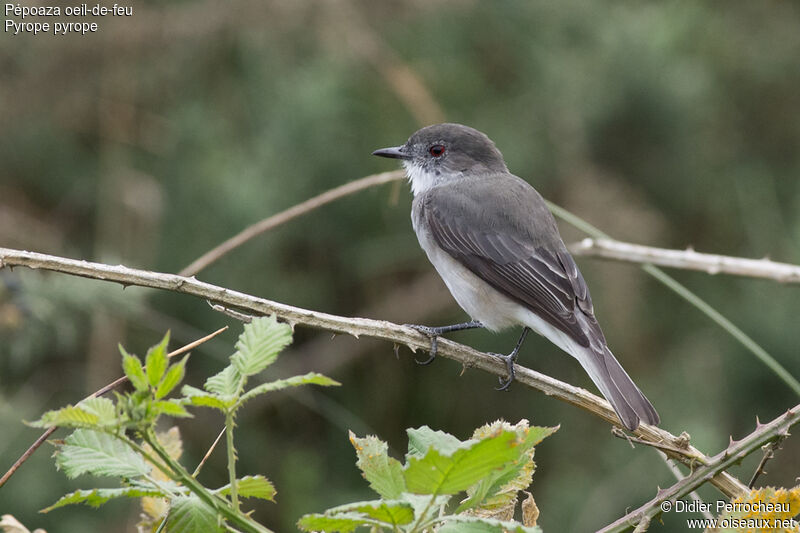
(495, 244)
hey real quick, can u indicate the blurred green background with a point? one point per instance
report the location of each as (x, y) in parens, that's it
(148, 143)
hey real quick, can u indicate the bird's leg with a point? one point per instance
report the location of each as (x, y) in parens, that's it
(510, 359)
(433, 335)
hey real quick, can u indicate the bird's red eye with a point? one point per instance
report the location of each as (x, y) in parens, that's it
(437, 150)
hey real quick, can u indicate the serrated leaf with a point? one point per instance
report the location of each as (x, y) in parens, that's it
(93, 452)
(443, 473)
(499, 489)
(133, 369)
(69, 416)
(507, 484)
(391, 512)
(171, 408)
(426, 508)
(188, 514)
(155, 509)
(202, 398)
(171, 379)
(211, 401)
(103, 408)
(384, 473)
(421, 439)
(484, 494)
(252, 487)
(341, 523)
(155, 363)
(226, 383)
(259, 344)
(97, 497)
(474, 524)
(312, 378)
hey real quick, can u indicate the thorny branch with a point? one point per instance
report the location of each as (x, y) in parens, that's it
(688, 260)
(393, 333)
(775, 430)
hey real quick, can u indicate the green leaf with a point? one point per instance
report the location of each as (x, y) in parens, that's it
(259, 344)
(484, 494)
(252, 487)
(500, 488)
(392, 512)
(205, 399)
(188, 514)
(312, 378)
(448, 473)
(133, 369)
(384, 473)
(88, 451)
(172, 408)
(226, 384)
(171, 379)
(97, 497)
(474, 524)
(102, 408)
(427, 507)
(342, 523)
(155, 362)
(69, 416)
(421, 439)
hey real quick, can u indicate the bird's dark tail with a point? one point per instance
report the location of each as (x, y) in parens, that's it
(618, 388)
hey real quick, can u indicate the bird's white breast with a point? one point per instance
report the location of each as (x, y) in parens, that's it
(482, 302)
(479, 299)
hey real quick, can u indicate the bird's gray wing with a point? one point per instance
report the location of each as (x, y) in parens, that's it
(504, 233)
(501, 230)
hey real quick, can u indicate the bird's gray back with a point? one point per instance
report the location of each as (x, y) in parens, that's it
(500, 228)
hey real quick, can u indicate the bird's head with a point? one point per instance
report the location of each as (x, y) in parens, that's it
(441, 153)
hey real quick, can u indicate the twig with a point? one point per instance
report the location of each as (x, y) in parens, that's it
(617, 432)
(379, 329)
(284, 216)
(736, 451)
(642, 526)
(769, 453)
(208, 453)
(679, 476)
(114, 384)
(687, 259)
(241, 317)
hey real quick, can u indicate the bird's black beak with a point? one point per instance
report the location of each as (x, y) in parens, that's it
(395, 152)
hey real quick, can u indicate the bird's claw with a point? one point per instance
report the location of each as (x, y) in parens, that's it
(433, 335)
(509, 361)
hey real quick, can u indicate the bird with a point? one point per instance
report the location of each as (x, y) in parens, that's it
(496, 246)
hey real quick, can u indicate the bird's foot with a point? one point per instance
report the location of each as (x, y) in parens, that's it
(509, 361)
(433, 335)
